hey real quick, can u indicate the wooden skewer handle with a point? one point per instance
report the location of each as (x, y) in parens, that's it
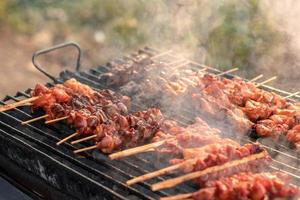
(67, 138)
(34, 119)
(161, 54)
(85, 149)
(16, 104)
(56, 120)
(291, 95)
(202, 70)
(228, 71)
(266, 81)
(83, 139)
(159, 172)
(135, 150)
(256, 78)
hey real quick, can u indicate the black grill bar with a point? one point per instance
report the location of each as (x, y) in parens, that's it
(5, 173)
(23, 147)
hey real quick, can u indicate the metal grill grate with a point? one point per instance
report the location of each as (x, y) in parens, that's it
(284, 158)
(32, 149)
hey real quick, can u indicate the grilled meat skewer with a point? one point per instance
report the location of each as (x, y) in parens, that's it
(246, 185)
(254, 162)
(95, 114)
(201, 158)
(171, 139)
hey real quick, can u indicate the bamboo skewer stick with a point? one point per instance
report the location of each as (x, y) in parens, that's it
(16, 104)
(256, 78)
(83, 139)
(178, 62)
(136, 150)
(175, 181)
(56, 120)
(178, 197)
(34, 119)
(159, 172)
(202, 70)
(228, 71)
(266, 81)
(150, 150)
(161, 54)
(67, 138)
(181, 64)
(95, 147)
(85, 149)
(177, 66)
(291, 95)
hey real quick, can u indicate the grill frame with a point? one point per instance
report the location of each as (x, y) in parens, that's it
(43, 141)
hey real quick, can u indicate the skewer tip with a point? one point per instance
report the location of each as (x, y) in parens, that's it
(66, 138)
(17, 104)
(136, 150)
(228, 71)
(266, 81)
(256, 78)
(34, 119)
(84, 139)
(56, 120)
(85, 149)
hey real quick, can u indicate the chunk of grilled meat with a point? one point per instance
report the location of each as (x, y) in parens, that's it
(268, 127)
(293, 136)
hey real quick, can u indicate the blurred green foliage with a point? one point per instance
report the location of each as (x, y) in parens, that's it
(247, 32)
(233, 33)
(114, 16)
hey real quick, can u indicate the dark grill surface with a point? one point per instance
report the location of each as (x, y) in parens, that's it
(30, 155)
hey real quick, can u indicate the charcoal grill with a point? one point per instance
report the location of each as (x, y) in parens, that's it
(29, 154)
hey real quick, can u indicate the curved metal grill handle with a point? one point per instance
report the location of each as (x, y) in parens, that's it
(45, 51)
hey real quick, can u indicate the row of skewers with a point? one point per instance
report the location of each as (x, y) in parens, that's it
(235, 101)
(246, 107)
(208, 159)
(197, 150)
